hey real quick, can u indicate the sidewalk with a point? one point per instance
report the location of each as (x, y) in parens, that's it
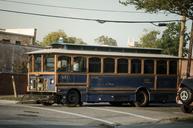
(8, 101)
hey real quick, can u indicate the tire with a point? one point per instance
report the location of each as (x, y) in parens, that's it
(185, 95)
(142, 98)
(116, 103)
(186, 108)
(73, 98)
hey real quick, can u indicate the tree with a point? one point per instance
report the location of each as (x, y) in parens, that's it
(169, 40)
(54, 36)
(105, 40)
(150, 39)
(180, 7)
(75, 40)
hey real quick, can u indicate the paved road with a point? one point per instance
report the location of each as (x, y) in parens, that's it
(14, 115)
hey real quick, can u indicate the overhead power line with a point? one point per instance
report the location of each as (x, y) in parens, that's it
(85, 19)
(65, 7)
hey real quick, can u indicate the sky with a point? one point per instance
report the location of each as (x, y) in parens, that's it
(86, 30)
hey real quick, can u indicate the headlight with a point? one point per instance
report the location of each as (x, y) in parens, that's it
(31, 87)
(51, 81)
(31, 81)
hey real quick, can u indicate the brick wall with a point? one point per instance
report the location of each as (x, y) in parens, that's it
(6, 85)
(13, 54)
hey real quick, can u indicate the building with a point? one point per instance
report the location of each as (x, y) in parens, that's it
(18, 36)
(14, 43)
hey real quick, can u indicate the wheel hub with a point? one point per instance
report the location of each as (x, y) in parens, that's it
(184, 95)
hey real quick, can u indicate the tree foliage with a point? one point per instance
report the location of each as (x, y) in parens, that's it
(150, 39)
(105, 40)
(54, 36)
(169, 40)
(180, 7)
(75, 40)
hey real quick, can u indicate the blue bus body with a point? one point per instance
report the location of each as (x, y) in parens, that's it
(122, 88)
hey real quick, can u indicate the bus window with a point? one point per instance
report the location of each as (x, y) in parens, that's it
(135, 66)
(94, 65)
(79, 64)
(64, 64)
(109, 65)
(122, 66)
(37, 63)
(161, 67)
(148, 66)
(173, 67)
(48, 63)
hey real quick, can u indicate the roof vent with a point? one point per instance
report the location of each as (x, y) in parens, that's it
(59, 43)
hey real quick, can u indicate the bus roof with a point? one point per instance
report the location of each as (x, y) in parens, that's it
(100, 53)
(70, 46)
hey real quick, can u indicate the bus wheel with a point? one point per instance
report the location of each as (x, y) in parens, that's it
(142, 98)
(186, 108)
(73, 98)
(116, 103)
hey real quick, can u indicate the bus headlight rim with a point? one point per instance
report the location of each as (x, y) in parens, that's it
(51, 81)
(31, 81)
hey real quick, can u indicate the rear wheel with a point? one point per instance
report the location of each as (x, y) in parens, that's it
(73, 98)
(142, 98)
(186, 108)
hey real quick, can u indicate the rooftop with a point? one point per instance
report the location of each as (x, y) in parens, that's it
(100, 53)
(62, 45)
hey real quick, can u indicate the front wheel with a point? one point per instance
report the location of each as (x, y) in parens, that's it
(186, 108)
(73, 98)
(142, 99)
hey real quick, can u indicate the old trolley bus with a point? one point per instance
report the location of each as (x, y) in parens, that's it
(73, 74)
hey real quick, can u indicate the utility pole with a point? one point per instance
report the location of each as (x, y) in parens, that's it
(181, 43)
(190, 53)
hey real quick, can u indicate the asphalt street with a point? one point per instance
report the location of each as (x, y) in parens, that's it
(13, 115)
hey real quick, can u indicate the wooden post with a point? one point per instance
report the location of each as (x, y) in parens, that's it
(14, 87)
(181, 43)
(190, 53)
